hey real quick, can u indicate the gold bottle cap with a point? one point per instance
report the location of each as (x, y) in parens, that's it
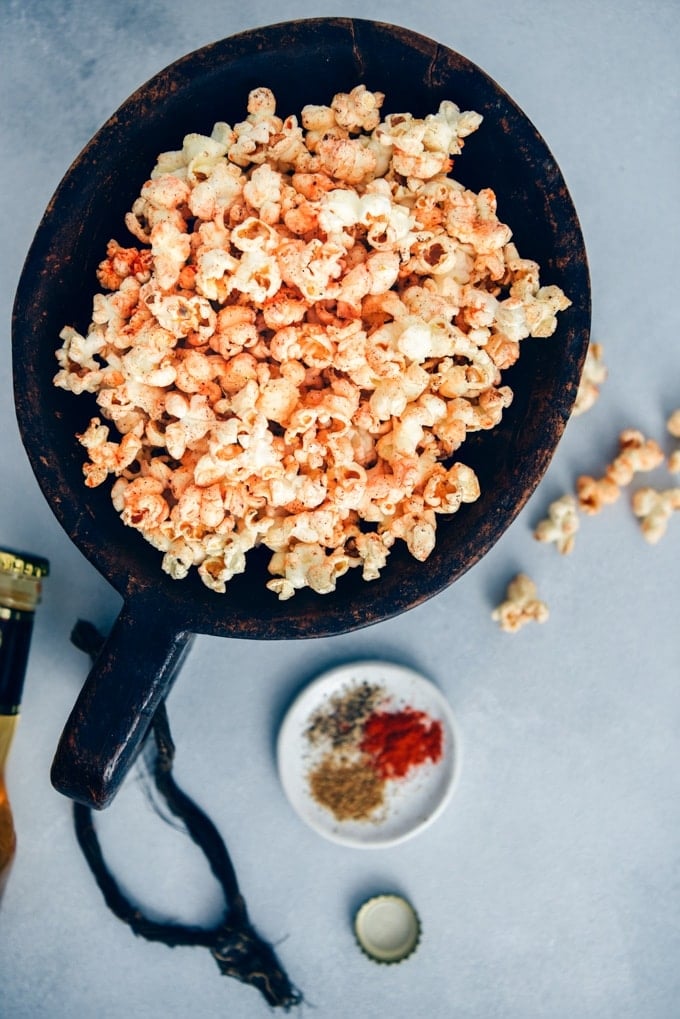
(21, 576)
(387, 928)
(23, 564)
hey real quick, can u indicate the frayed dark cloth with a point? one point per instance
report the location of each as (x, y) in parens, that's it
(234, 944)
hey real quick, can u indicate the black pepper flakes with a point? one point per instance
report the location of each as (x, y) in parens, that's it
(340, 722)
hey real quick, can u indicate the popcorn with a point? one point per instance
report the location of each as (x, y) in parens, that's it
(595, 493)
(636, 453)
(80, 372)
(107, 457)
(561, 524)
(673, 428)
(217, 570)
(654, 509)
(421, 149)
(593, 375)
(359, 110)
(123, 263)
(315, 318)
(143, 504)
(521, 605)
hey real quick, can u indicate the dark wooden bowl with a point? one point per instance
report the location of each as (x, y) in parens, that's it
(303, 62)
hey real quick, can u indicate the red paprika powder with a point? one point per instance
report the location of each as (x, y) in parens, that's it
(400, 740)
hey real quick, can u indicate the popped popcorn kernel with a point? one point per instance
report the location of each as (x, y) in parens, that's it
(673, 424)
(521, 605)
(636, 454)
(561, 524)
(359, 110)
(594, 374)
(313, 317)
(654, 509)
(593, 494)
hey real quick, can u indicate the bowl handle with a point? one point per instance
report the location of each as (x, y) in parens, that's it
(132, 673)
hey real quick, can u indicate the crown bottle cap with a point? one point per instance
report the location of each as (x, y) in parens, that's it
(21, 576)
(387, 928)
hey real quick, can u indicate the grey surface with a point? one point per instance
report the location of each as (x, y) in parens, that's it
(551, 886)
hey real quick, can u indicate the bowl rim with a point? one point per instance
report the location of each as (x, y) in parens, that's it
(120, 567)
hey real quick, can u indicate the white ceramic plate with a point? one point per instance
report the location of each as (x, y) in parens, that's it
(413, 802)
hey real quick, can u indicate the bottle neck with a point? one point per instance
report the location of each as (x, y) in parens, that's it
(8, 725)
(16, 627)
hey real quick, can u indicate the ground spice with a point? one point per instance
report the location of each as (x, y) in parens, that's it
(400, 740)
(341, 720)
(365, 747)
(352, 789)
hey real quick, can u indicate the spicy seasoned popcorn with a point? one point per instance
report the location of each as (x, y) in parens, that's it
(314, 318)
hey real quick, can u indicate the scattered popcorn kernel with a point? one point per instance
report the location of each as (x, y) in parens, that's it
(561, 524)
(654, 509)
(593, 494)
(521, 605)
(674, 462)
(312, 318)
(593, 376)
(636, 454)
(673, 424)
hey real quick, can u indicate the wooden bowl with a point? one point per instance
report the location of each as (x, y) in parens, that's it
(303, 62)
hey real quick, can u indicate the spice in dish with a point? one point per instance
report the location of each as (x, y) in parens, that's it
(397, 741)
(367, 746)
(342, 719)
(352, 789)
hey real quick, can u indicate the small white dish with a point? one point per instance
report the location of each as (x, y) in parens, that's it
(413, 802)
